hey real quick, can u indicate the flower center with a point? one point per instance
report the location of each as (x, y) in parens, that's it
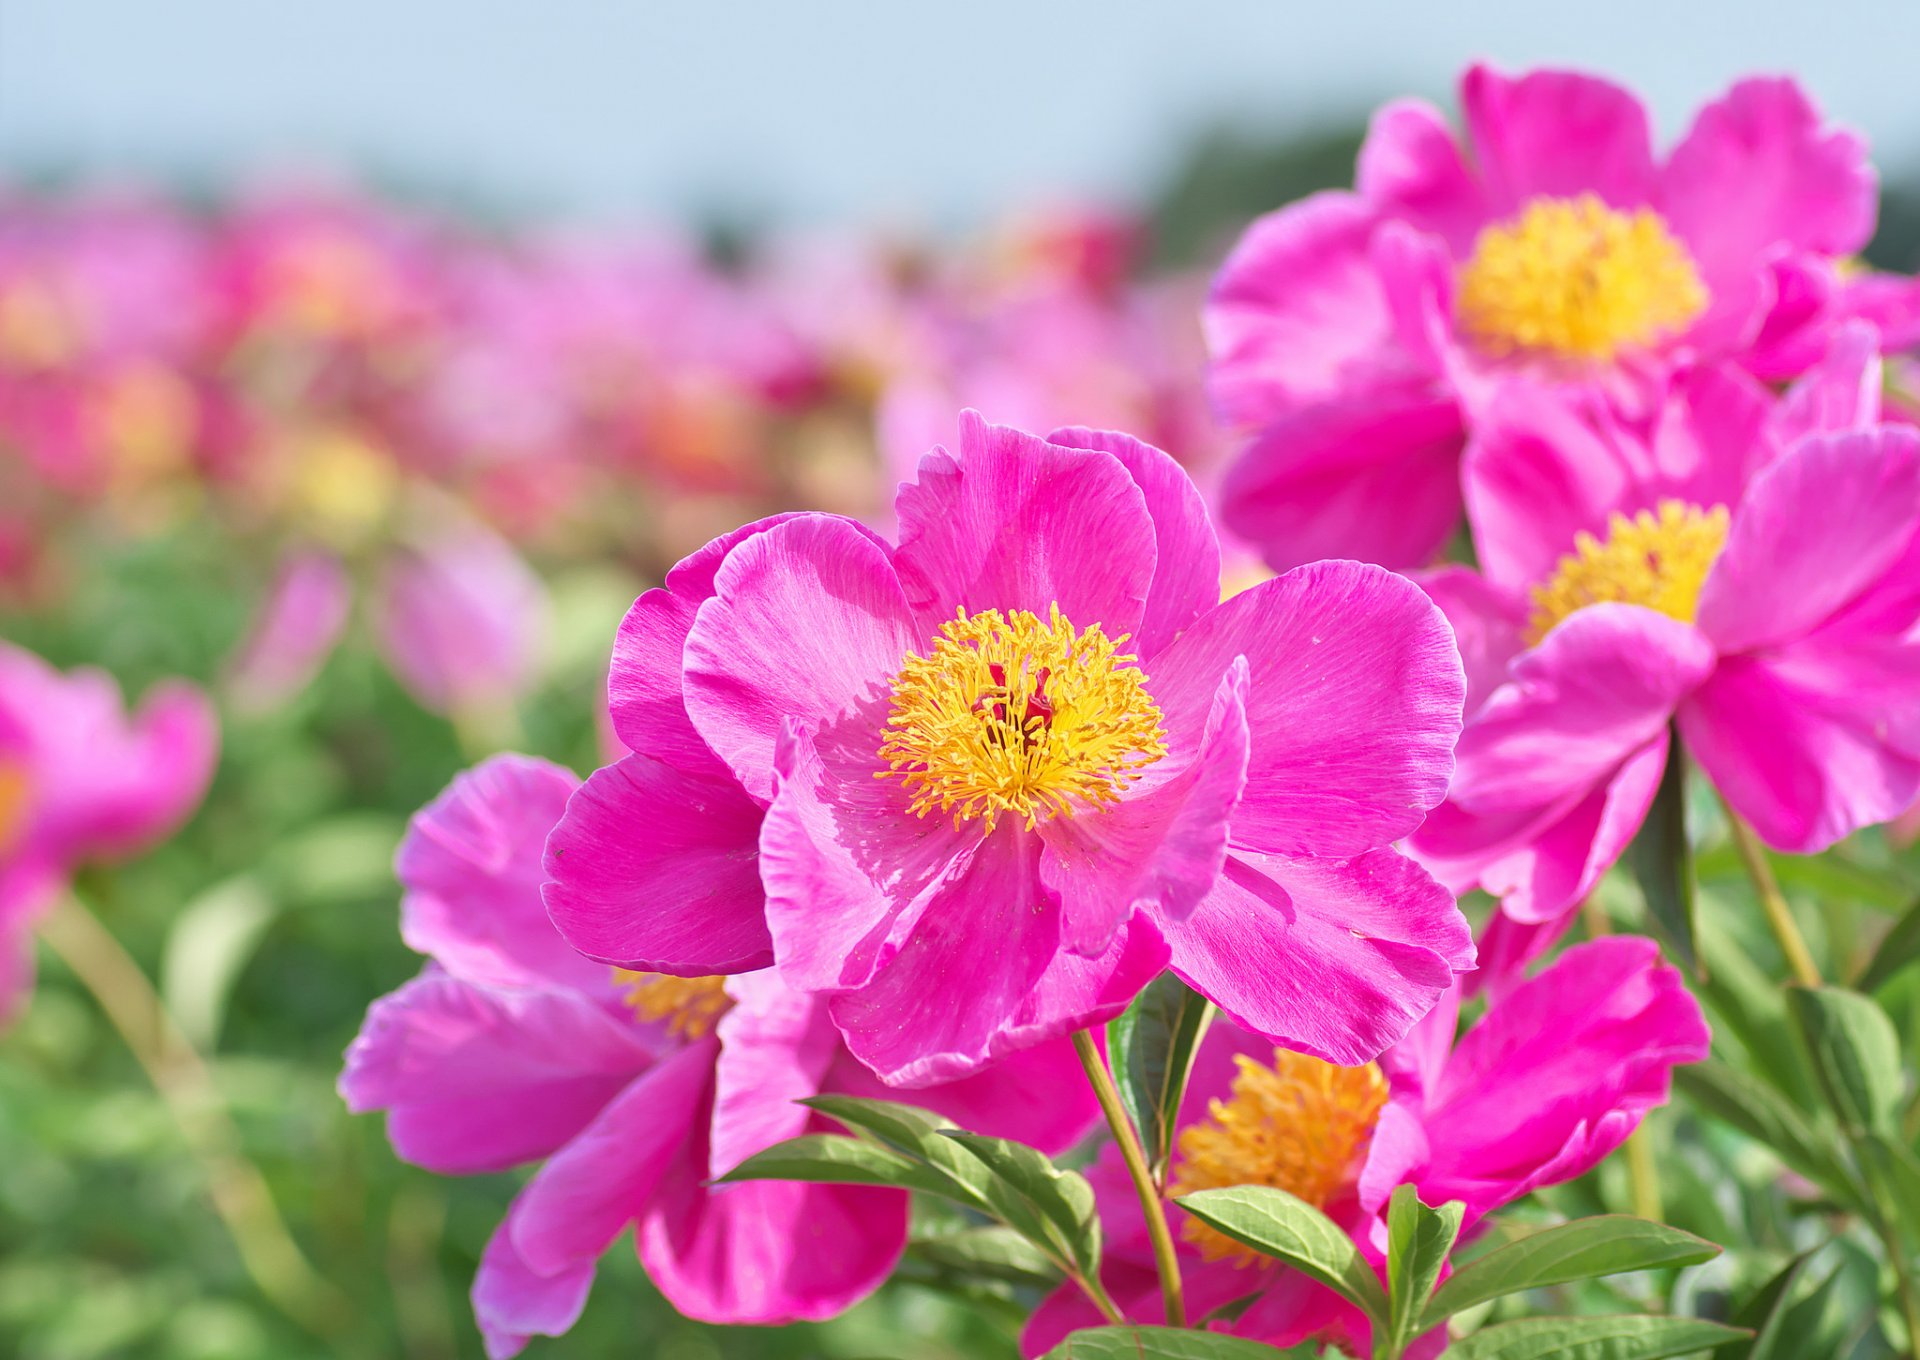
(1576, 278)
(1657, 559)
(1300, 1125)
(1009, 714)
(15, 795)
(689, 1006)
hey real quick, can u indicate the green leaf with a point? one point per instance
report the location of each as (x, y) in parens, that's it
(1757, 1312)
(1661, 858)
(1893, 1175)
(1801, 1325)
(1276, 1224)
(208, 946)
(1897, 949)
(993, 1253)
(1419, 1239)
(1627, 1337)
(1759, 1111)
(1856, 1054)
(1584, 1249)
(1166, 1343)
(837, 1159)
(1030, 1190)
(915, 1132)
(1151, 1047)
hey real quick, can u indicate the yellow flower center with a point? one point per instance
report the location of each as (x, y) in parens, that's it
(1575, 278)
(1009, 714)
(689, 1006)
(1301, 1125)
(1657, 559)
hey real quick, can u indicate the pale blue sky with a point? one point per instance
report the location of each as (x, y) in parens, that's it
(832, 110)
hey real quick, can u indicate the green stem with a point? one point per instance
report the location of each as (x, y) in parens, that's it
(1753, 857)
(1643, 1175)
(1136, 1159)
(177, 1071)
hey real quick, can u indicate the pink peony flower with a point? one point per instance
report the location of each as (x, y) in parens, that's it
(1357, 334)
(1635, 581)
(1553, 1078)
(80, 782)
(977, 788)
(633, 1090)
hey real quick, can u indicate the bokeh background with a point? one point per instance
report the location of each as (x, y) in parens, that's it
(829, 223)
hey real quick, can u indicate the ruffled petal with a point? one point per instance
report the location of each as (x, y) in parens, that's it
(1186, 572)
(471, 867)
(808, 621)
(1014, 522)
(1353, 711)
(1558, 134)
(1375, 478)
(480, 1078)
(657, 868)
(1815, 531)
(1411, 168)
(1159, 851)
(1337, 958)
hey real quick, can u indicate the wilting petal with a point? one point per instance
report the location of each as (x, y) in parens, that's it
(656, 868)
(1330, 957)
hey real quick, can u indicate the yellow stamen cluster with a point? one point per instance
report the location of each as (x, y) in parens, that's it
(1577, 279)
(1010, 714)
(15, 795)
(690, 1006)
(1301, 1125)
(1658, 559)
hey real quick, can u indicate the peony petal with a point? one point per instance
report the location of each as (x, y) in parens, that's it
(1353, 711)
(1489, 626)
(512, 1302)
(1558, 134)
(776, 1047)
(1186, 573)
(471, 866)
(1840, 392)
(1159, 851)
(479, 1078)
(1014, 522)
(1376, 478)
(1411, 168)
(809, 622)
(1815, 531)
(1337, 958)
(656, 868)
(1038, 1096)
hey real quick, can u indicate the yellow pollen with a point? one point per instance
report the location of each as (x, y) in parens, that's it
(1009, 714)
(1657, 559)
(690, 1006)
(1301, 1125)
(15, 800)
(1575, 278)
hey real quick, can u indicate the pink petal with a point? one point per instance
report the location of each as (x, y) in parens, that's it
(1014, 522)
(1353, 711)
(591, 1189)
(479, 1078)
(1297, 314)
(1840, 392)
(1159, 851)
(298, 623)
(1488, 623)
(1337, 958)
(513, 1303)
(1816, 529)
(808, 622)
(1558, 134)
(656, 868)
(1411, 168)
(1375, 478)
(471, 867)
(983, 974)
(1186, 573)
(776, 1047)
(1756, 173)
(1039, 1096)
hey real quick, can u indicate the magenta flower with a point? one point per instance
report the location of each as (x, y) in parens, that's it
(1554, 1077)
(1638, 582)
(634, 1090)
(303, 615)
(79, 781)
(978, 788)
(1356, 333)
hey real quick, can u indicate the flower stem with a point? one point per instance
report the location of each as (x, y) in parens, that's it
(238, 1190)
(1753, 857)
(1136, 1159)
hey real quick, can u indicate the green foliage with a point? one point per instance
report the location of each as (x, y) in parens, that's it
(1151, 1047)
